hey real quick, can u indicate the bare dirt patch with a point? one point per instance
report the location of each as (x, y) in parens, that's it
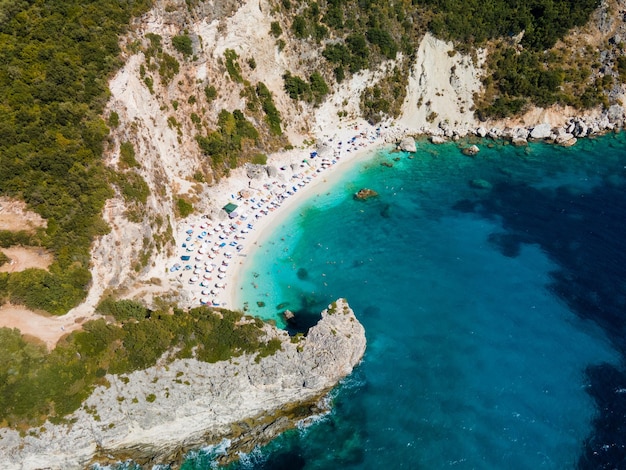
(47, 328)
(24, 257)
(14, 216)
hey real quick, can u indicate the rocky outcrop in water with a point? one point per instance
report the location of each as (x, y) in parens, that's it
(365, 193)
(471, 150)
(407, 145)
(155, 415)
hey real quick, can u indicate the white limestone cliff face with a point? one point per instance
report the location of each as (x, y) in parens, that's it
(196, 403)
(441, 87)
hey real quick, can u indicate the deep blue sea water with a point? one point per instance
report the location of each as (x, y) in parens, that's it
(494, 314)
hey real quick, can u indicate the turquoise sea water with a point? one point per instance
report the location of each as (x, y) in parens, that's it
(493, 314)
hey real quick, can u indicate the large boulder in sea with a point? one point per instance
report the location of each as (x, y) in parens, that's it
(407, 145)
(365, 193)
(471, 150)
(246, 401)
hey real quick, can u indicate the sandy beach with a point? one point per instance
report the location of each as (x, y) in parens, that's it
(212, 248)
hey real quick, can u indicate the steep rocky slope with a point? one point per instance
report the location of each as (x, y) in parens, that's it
(153, 416)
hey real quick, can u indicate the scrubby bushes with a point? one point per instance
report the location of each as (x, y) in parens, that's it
(232, 65)
(313, 92)
(183, 44)
(36, 384)
(223, 145)
(271, 113)
(184, 207)
(4, 259)
(127, 155)
(52, 93)
(542, 21)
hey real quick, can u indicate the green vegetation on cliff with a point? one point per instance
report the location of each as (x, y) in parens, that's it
(365, 32)
(55, 57)
(543, 22)
(521, 73)
(36, 384)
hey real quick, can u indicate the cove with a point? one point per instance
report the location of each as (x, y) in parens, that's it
(491, 290)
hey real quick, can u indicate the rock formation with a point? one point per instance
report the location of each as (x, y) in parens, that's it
(365, 193)
(471, 150)
(541, 131)
(407, 145)
(155, 415)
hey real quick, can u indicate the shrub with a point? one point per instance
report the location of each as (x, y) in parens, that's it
(114, 119)
(298, 26)
(295, 87)
(122, 310)
(133, 187)
(127, 155)
(384, 41)
(319, 88)
(183, 44)
(275, 29)
(259, 159)
(232, 65)
(184, 207)
(168, 68)
(210, 92)
(272, 114)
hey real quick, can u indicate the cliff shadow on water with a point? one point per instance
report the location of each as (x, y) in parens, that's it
(307, 315)
(583, 232)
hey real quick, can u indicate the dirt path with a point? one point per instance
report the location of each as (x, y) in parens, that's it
(14, 216)
(24, 257)
(47, 328)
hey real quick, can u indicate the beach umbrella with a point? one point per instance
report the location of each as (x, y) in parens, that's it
(193, 279)
(204, 300)
(197, 271)
(209, 268)
(205, 292)
(220, 285)
(221, 269)
(221, 275)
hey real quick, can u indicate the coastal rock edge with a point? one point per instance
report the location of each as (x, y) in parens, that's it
(155, 415)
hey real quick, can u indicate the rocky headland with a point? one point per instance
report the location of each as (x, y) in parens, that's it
(155, 415)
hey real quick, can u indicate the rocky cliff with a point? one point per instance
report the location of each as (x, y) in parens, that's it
(154, 416)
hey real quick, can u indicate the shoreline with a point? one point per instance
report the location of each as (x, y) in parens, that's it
(212, 248)
(221, 243)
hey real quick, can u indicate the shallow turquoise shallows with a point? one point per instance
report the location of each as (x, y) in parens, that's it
(468, 275)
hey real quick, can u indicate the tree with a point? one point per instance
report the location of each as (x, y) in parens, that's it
(183, 44)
